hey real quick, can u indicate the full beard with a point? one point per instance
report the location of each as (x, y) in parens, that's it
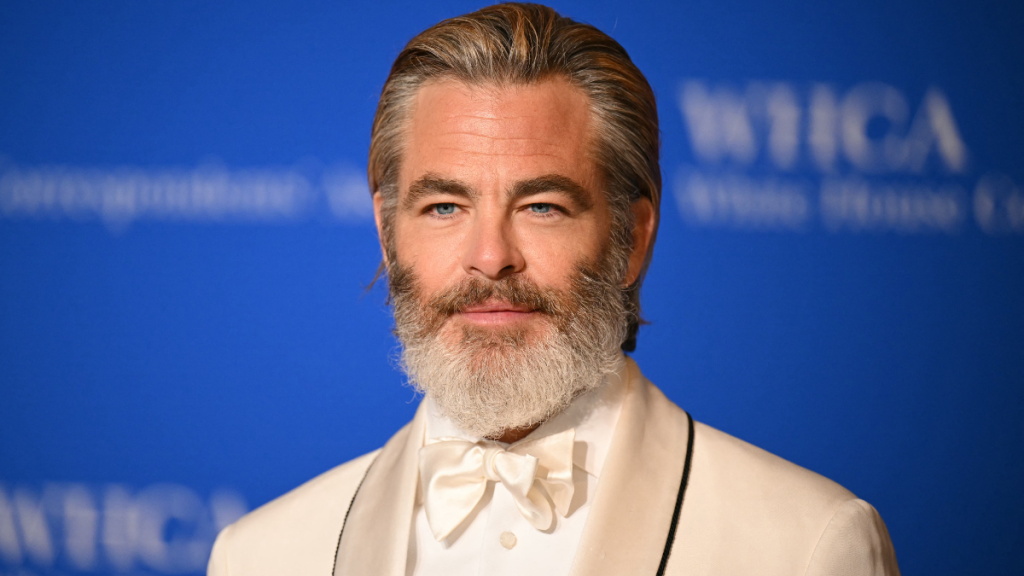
(491, 380)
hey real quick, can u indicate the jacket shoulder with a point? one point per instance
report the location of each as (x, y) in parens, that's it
(295, 533)
(749, 511)
(724, 466)
(746, 470)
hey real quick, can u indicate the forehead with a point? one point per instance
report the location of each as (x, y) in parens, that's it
(477, 131)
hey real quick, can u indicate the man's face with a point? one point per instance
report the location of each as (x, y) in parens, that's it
(498, 183)
(506, 284)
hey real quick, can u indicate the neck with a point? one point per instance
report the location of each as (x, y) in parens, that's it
(514, 435)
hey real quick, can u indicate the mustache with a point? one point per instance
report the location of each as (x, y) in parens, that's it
(427, 317)
(587, 295)
(512, 290)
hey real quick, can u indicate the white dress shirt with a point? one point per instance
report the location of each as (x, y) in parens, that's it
(496, 540)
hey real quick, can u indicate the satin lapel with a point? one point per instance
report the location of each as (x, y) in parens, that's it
(375, 540)
(637, 489)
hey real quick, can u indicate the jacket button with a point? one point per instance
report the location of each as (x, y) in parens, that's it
(508, 540)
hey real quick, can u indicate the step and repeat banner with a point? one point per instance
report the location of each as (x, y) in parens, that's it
(188, 327)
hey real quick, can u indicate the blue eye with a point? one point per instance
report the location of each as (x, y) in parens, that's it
(445, 209)
(540, 208)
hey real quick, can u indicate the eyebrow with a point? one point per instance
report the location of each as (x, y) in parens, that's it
(553, 183)
(430, 184)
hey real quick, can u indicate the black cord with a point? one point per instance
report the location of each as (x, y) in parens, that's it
(679, 499)
(337, 549)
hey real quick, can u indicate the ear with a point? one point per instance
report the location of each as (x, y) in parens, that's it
(643, 233)
(378, 203)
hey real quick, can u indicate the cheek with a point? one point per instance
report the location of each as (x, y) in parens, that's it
(552, 257)
(432, 258)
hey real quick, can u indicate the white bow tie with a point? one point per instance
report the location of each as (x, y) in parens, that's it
(454, 475)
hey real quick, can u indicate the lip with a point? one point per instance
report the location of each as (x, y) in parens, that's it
(496, 313)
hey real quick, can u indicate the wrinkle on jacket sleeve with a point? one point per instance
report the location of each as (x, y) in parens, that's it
(854, 543)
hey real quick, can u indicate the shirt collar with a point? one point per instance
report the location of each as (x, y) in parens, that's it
(593, 415)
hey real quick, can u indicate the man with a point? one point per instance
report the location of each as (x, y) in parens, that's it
(514, 164)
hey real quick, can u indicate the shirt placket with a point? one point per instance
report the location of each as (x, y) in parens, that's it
(503, 543)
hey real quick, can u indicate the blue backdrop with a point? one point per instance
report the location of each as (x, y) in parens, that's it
(185, 238)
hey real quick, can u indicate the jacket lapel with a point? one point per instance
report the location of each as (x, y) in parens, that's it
(628, 522)
(638, 486)
(375, 538)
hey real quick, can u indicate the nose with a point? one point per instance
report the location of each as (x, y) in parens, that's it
(492, 251)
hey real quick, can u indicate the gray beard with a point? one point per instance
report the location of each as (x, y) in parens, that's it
(490, 381)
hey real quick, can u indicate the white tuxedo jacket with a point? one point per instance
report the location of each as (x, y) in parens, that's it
(743, 512)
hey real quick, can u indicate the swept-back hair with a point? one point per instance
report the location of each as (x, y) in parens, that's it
(520, 44)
